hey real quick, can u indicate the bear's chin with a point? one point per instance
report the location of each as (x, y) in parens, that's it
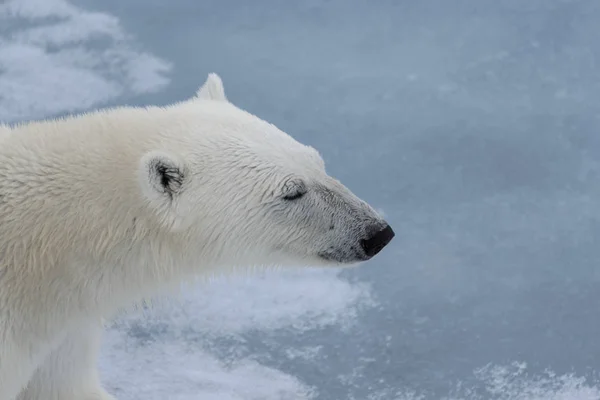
(319, 260)
(340, 260)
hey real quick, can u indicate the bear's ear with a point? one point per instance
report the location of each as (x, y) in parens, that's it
(163, 179)
(162, 174)
(212, 89)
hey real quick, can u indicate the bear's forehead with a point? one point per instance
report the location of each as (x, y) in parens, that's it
(249, 140)
(290, 158)
(276, 158)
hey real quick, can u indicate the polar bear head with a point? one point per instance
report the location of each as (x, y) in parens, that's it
(240, 191)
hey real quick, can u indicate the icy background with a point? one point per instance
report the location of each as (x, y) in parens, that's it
(473, 124)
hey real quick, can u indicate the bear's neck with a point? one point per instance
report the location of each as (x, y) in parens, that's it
(72, 217)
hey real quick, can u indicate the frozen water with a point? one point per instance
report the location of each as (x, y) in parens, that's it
(55, 58)
(473, 124)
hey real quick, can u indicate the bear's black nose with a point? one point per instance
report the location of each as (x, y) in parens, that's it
(377, 241)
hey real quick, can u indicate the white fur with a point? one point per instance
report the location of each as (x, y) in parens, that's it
(212, 89)
(104, 209)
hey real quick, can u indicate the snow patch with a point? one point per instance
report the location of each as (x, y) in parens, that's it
(59, 58)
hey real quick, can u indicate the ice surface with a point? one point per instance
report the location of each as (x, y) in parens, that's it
(177, 370)
(473, 124)
(511, 382)
(55, 58)
(179, 339)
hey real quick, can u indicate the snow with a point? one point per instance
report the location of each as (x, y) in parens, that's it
(66, 59)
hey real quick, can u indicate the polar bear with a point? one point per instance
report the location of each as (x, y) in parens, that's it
(104, 209)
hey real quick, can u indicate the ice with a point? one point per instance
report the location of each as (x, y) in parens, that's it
(514, 383)
(472, 124)
(172, 370)
(179, 337)
(507, 382)
(269, 300)
(66, 59)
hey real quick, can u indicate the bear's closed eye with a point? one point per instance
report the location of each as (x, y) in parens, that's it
(294, 196)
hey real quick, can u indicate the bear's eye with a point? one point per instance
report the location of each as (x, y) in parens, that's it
(293, 190)
(294, 196)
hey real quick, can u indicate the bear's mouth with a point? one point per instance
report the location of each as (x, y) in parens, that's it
(340, 257)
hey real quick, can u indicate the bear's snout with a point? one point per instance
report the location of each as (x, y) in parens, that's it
(377, 241)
